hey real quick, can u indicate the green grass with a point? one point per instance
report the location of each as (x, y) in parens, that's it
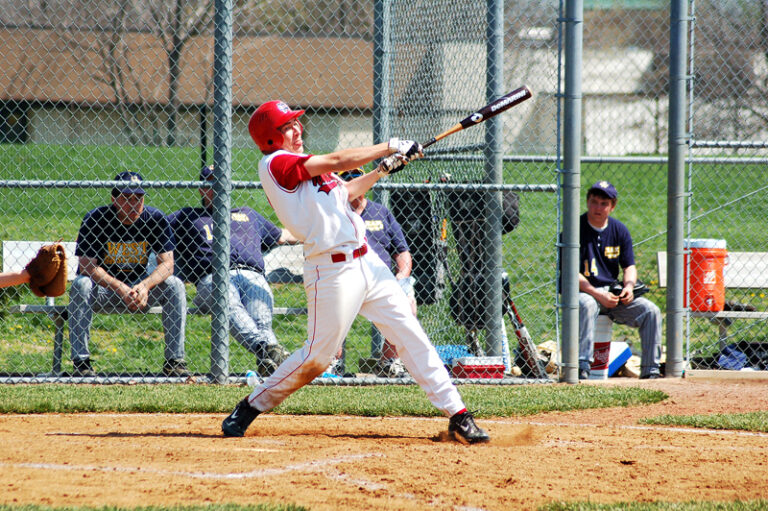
(490, 401)
(750, 421)
(529, 252)
(750, 505)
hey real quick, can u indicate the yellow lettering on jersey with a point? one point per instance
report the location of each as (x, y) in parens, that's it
(590, 268)
(374, 225)
(132, 252)
(239, 217)
(208, 232)
(612, 252)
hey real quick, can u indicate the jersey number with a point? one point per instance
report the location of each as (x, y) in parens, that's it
(590, 268)
(208, 233)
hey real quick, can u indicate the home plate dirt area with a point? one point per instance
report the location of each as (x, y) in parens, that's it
(330, 463)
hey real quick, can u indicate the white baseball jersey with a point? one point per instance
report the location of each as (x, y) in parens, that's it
(315, 209)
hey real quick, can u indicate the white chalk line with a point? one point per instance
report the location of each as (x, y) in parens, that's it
(311, 466)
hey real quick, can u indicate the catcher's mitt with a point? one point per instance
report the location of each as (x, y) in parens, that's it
(48, 271)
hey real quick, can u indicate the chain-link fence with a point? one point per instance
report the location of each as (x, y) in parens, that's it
(729, 149)
(92, 90)
(92, 93)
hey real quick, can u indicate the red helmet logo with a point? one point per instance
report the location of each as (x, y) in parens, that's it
(265, 121)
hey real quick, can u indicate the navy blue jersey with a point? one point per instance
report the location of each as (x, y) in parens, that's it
(123, 250)
(603, 253)
(385, 236)
(250, 234)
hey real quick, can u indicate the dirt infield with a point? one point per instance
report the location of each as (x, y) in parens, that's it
(330, 463)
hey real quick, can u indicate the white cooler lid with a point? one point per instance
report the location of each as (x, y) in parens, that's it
(703, 243)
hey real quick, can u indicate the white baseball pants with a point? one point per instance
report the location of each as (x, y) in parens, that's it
(336, 293)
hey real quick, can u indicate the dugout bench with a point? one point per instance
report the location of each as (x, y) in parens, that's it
(16, 254)
(744, 270)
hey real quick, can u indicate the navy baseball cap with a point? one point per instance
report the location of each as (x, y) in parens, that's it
(133, 183)
(206, 173)
(605, 188)
(348, 175)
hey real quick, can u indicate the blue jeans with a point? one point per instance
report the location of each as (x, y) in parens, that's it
(85, 298)
(641, 313)
(250, 307)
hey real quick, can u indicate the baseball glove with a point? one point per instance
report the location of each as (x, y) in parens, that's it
(639, 290)
(48, 271)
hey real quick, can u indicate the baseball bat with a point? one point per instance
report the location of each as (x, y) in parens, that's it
(492, 109)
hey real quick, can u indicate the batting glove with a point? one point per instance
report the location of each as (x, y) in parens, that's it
(412, 150)
(391, 164)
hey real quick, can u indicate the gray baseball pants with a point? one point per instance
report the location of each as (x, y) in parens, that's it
(85, 297)
(641, 313)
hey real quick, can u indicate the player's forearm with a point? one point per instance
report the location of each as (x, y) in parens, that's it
(100, 277)
(163, 270)
(404, 264)
(360, 185)
(345, 159)
(630, 276)
(13, 278)
(586, 287)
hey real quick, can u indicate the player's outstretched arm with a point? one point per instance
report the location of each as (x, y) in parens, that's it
(13, 278)
(345, 159)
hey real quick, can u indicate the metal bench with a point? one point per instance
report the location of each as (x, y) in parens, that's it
(282, 261)
(744, 270)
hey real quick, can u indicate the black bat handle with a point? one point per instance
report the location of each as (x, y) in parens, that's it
(432, 141)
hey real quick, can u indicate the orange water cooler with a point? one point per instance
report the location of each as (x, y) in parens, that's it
(706, 284)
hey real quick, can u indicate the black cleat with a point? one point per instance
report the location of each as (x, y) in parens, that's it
(175, 367)
(584, 374)
(464, 429)
(269, 357)
(239, 420)
(83, 368)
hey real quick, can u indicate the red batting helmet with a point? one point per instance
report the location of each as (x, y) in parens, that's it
(265, 121)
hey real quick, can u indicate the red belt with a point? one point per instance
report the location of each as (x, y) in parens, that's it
(340, 257)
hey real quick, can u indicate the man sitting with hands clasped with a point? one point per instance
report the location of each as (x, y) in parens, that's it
(606, 247)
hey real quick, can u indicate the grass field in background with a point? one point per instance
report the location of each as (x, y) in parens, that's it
(135, 343)
(369, 401)
(754, 505)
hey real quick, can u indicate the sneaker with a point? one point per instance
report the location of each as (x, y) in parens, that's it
(390, 368)
(175, 367)
(651, 376)
(238, 421)
(464, 429)
(83, 368)
(584, 374)
(270, 356)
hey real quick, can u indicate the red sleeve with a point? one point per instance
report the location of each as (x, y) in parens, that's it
(288, 169)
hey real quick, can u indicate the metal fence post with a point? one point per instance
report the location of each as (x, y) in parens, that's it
(574, 17)
(494, 174)
(222, 186)
(676, 186)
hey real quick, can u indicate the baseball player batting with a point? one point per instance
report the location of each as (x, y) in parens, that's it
(342, 278)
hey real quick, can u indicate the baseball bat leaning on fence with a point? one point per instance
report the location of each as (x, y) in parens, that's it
(492, 109)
